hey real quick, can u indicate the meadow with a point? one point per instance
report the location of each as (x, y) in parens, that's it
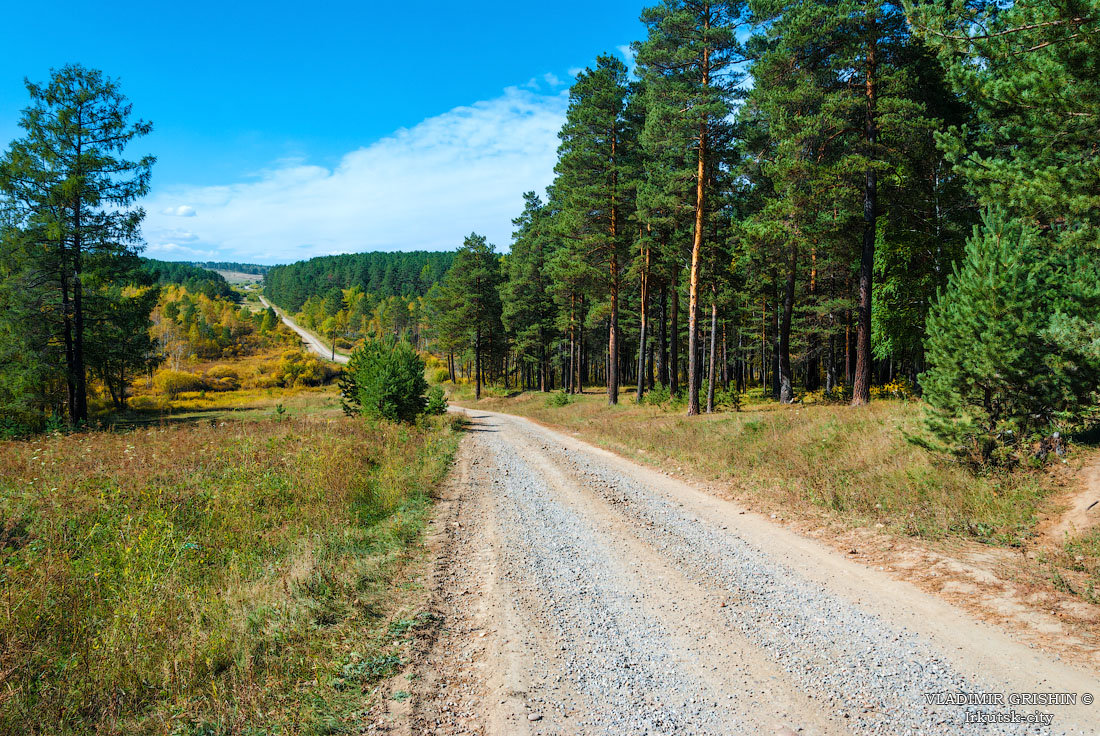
(209, 577)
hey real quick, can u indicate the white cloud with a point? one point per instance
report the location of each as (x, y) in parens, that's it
(182, 210)
(552, 79)
(424, 187)
(575, 71)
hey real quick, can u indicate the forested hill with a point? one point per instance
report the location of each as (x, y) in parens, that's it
(250, 268)
(195, 279)
(380, 274)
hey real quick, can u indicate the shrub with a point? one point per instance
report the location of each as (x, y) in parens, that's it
(295, 368)
(441, 375)
(437, 401)
(559, 399)
(174, 383)
(384, 381)
(1013, 343)
(657, 395)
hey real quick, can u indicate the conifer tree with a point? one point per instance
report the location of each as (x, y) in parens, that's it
(472, 300)
(526, 313)
(592, 177)
(689, 61)
(1014, 344)
(72, 195)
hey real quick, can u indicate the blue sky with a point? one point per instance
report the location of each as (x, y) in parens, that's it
(289, 130)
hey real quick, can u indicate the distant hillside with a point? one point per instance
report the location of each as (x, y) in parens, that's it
(252, 268)
(382, 275)
(195, 279)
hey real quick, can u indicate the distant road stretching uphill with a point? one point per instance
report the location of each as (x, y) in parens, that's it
(308, 337)
(581, 593)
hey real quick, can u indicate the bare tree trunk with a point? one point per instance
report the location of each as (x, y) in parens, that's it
(861, 387)
(713, 347)
(674, 350)
(786, 390)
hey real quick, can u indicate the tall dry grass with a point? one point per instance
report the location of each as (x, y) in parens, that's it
(207, 578)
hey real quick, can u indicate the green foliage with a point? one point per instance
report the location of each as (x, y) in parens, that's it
(437, 401)
(559, 399)
(71, 234)
(467, 306)
(385, 381)
(193, 278)
(658, 395)
(381, 275)
(1014, 346)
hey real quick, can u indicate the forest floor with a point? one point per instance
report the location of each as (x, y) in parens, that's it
(576, 591)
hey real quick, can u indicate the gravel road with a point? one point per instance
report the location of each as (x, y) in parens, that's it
(311, 341)
(580, 593)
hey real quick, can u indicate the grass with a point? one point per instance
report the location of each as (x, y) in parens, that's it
(855, 465)
(207, 578)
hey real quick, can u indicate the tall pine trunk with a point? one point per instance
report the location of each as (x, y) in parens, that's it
(861, 387)
(674, 348)
(694, 371)
(662, 338)
(713, 345)
(477, 364)
(613, 336)
(642, 327)
(786, 389)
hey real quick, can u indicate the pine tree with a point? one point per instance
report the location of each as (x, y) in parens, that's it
(527, 314)
(120, 345)
(689, 62)
(471, 297)
(72, 194)
(591, 174)
(1014, 344)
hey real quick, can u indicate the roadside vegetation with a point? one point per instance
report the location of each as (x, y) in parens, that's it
(208, 578)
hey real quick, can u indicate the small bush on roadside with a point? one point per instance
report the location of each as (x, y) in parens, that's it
(437, 401)
(657, 395)
(384, 381)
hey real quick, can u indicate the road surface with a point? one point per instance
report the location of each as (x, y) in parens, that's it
(580, 593)
(312, 341)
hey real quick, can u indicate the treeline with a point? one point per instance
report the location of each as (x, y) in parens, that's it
(196, 279)
(378, 275)
(249, 268)
(778, 196)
